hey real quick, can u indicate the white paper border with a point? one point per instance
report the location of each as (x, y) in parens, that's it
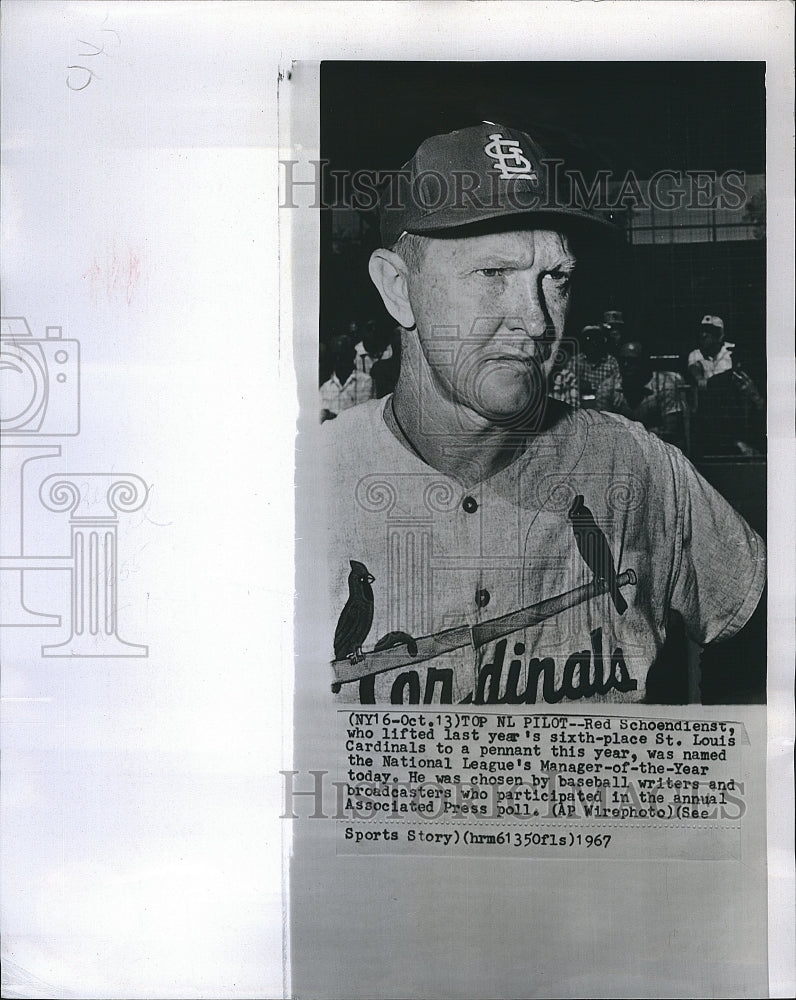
(264, 38)
(626, 30)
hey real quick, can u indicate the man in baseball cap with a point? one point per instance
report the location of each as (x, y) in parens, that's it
(614, 323)
(594, 363)
(489, 201)
(713, 355)
(476, 506)
(714, 321)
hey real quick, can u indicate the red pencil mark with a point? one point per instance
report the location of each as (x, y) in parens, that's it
(133, 274)
(119, 276)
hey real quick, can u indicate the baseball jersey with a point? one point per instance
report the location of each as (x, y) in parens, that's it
(595, 498)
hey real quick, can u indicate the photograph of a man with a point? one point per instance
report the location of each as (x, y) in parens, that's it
(489, 544)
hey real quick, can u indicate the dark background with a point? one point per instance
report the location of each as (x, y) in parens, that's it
(639, 116)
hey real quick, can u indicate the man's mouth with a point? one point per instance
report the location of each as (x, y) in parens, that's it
(537, 354)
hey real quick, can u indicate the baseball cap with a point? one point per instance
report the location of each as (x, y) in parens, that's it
(474, 175)
(716, 321)
(613, 317)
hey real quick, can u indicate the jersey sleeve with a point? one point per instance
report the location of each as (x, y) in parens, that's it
(721, 570)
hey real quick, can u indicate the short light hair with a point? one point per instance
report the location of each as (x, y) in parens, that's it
(411, 248)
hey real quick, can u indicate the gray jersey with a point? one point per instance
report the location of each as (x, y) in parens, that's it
(548, 582)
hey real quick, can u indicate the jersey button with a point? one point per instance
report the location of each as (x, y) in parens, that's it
(482, 597)
(470, 505)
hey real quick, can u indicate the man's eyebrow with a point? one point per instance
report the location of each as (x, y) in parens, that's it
(501, 259)
(567, 263)
(495, 260)
(498, 258)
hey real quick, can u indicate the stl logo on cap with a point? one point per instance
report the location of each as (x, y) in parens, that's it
(511, 162)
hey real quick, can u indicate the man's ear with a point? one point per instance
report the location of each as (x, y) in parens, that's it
(388, 274)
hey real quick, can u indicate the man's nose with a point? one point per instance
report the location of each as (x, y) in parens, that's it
(526, 311)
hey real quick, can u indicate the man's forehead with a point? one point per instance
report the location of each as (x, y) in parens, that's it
(518, 244)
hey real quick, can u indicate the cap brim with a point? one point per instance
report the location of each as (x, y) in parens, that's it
(448, 224)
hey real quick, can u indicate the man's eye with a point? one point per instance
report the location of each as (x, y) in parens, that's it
(492, 272)
(562, 279)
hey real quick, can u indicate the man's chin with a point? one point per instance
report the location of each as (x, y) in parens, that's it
(511, 399)
(514, 411)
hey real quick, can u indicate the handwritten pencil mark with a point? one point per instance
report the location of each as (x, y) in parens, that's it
(98, 50)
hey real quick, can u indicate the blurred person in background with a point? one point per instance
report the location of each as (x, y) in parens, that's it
(655, 399)
(563, 384)
(374, 346)
(346, 387)
(730, 417)
(593, 364)
(614, 326)
(713, 355)
(386, 370)
(730, 411)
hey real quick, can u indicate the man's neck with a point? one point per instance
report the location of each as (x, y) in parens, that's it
(457, 443)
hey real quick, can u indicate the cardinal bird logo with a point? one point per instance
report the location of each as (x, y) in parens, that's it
(356, 617)
(595, 550)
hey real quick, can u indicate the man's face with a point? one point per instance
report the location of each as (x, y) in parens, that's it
(342, 351)
(490, 314)
(594, 344)
(632, 363)
(710, 340)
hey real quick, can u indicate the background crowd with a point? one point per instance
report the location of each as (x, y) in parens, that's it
(704, 402)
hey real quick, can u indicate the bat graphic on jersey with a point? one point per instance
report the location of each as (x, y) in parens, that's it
(595, 550)
(347, 669)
